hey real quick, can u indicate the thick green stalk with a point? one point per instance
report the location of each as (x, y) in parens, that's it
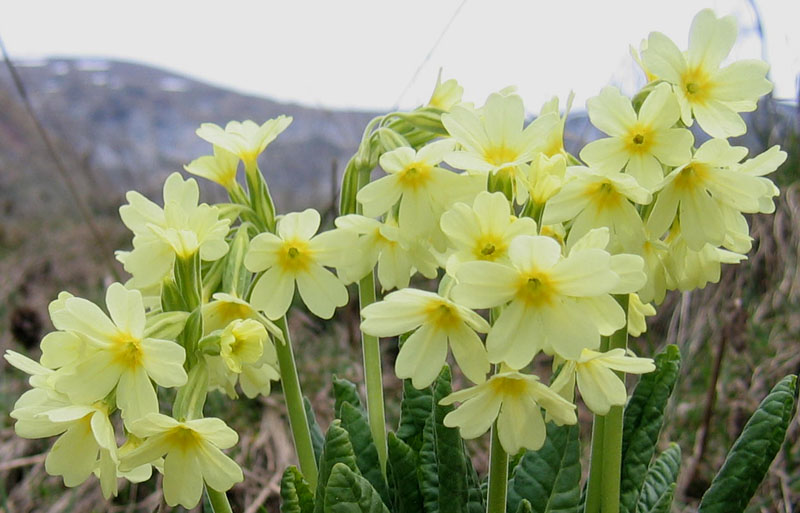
(594, 487)
(298, 422)
(612, 433)
(219, 501)
(373, 374)
(498, 475)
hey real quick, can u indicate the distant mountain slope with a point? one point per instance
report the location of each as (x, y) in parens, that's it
(134, 124)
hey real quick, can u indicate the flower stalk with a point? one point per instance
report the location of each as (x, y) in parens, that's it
(298, 421)
(498, 475)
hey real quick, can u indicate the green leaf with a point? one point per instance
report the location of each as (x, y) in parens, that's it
(524, 507)
(344, 391)
(355, 421)
(452, 465)
(337, 449)
(401, 470)
(415, 408)
(443, 467)
(753, 452)
(476, 502)
(660, 480)
(644, 417)
(427, 471)
(317, 438)
(550, 477)
(296, 495)
(347, 492)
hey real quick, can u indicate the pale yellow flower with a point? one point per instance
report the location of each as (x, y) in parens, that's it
(242, 342)
(640, 142)
(445, 94)
(516, 401)
(192, 456)
(699, 190)
(118, 355)
(437, 322)
(296, 255)
(182, 228)
(592, 198)
(219, 168)
(247, 140)
(543, 293)
(713, 95)
(600, 388)
(423, 189)
(483, 231)
(638, 312)
(378, 244)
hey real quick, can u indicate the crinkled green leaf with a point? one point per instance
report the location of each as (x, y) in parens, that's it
(296, 495)
(428, 472)
(550, 477)
(644, 417)
(476, 501)
(401, 471)
(659, 483)
(752, 453)
(443, 467)
(415, 409)
(317, 438)
(348, 492)
(344, 391)
(452, 468)
(355, 421)
(337, 449)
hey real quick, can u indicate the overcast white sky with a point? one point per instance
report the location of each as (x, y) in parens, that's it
(363, 53)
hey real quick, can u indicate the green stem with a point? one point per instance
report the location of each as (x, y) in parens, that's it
(189, 280)
(498, 475)
(594, 487)
(219, 501)
(260, 198)
(298, 422)
(612, 433)
(372, 373)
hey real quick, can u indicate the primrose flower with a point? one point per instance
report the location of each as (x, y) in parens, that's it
(495, 140)
(641, 142)
(597, 197)
(545, 292)
(554, 144)
(690, 269)
(181, 228)
(118, 354)
(423, 189)
(638, 312)
(246, 140)
(600, 388)
(226, 308)
(242, 342)
(439, 321)
(296, 255)
(219, 168)
(378, 243)
(712, 95)
(84, 431)
(483, 231)
(516, 401)
(702, 187)
(546, 176)
(192, 455)
(445, 94)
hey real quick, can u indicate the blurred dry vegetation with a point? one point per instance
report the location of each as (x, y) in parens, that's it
(737, 338)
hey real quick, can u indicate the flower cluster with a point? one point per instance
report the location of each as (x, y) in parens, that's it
(538, 254)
